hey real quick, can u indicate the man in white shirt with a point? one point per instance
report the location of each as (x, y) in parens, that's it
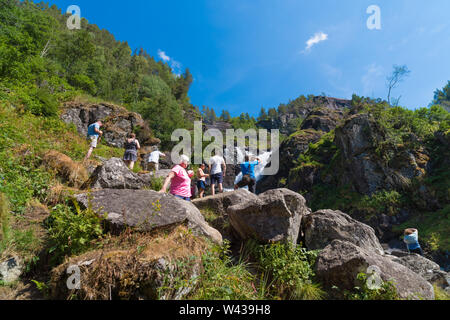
(153, 160)
(217, 169)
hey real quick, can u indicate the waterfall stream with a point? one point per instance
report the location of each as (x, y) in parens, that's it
(259, 169)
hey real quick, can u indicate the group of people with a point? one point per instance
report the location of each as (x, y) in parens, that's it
(179, 177)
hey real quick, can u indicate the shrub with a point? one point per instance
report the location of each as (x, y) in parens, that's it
(386, 291)
(289, 268)
(73, 232)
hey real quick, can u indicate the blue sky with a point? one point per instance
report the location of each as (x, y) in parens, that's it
(245, 54)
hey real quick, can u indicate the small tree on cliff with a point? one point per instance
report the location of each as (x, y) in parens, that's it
(398, 75)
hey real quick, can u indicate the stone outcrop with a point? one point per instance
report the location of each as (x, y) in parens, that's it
(357, 139)
(427, 269)
(146, 210)
(273, 216)
(341, 261)
(114, 174)
(118, 122)
(322, 227)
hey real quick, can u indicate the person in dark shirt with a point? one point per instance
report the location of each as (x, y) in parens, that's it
(131, 148)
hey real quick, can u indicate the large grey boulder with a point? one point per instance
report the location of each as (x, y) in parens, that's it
(146, 210)
(114, 174)
(219, 203)
(341, 261)
(324, 226)
(273, 216)
(428, 269)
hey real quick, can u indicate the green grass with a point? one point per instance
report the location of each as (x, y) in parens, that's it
(25, 138)
(223, 279)
(16, 241)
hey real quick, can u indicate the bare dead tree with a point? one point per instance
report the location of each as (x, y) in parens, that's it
(398, 75)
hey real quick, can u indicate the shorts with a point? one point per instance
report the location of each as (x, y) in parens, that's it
(218, 177)
(94, 140)
(183, 198)
(201, 184)
(248, 181)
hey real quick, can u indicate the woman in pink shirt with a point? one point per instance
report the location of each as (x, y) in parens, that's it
(180, 180)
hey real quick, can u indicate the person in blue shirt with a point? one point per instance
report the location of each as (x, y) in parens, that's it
(248, 174)
(412, 241)
(93, 135)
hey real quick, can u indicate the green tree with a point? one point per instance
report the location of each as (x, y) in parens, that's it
(442, 97)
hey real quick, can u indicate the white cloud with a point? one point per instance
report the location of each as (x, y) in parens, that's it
(318, 37)
(163, 55)
(175, 65)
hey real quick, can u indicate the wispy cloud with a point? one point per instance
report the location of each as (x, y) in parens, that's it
(163, 56)
(315, 39)
(175, 65)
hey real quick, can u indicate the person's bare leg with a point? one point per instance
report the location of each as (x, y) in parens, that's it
(131, 165)
(88, 155)
(202, 193)
(213, 189)
(220, 188)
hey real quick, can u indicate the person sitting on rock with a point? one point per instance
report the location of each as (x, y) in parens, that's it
(131, 147)
(179, 180)
(153, 159)
(201, 180)
(93, 135)
(412, 241)
(248, 174)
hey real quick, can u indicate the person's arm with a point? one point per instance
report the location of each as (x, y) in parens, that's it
(137, 144)
(162, 154)
(98, 131)
(167, 181)
(202, 174)
(224, 167)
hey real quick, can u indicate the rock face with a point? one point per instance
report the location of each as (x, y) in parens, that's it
(341, 261)
(274, 216)
(322, 227)
(427, 269)
(317, 122)
(114, 174)
(146, 210)
(290, 150)
(357, 140)
(118, 122)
